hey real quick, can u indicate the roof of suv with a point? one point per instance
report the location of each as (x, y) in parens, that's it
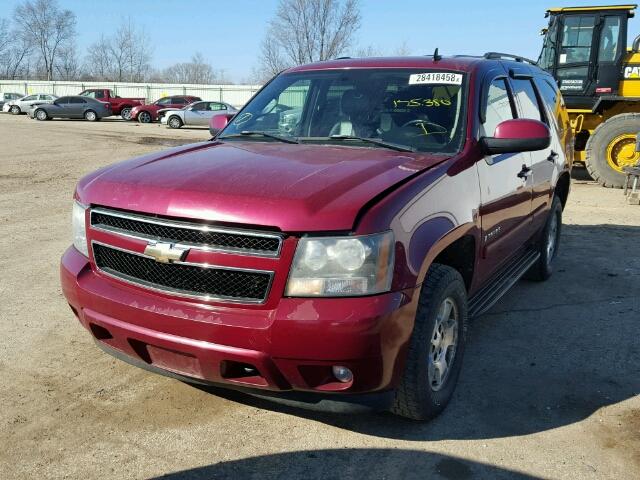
(462, 63)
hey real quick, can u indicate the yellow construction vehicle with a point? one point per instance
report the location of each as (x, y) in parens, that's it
(585, 49)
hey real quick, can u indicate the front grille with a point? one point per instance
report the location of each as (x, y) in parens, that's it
(184, 279)
(187, 233)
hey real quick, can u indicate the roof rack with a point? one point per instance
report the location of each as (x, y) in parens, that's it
(517, 58)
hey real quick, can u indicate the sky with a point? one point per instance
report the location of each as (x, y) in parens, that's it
(229, 33)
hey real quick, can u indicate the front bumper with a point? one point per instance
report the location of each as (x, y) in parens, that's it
(291, 347)
(163, 119)
(6, 107)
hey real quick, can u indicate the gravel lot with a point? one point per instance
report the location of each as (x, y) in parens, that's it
(550, 386)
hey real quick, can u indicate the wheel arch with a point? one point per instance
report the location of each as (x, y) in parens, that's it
(562, 188)
(456, 247)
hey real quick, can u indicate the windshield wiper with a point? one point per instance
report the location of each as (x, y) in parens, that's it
(374, 141)
(248, 133)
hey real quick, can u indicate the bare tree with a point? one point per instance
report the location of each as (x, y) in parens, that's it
(196, 71)
(43, 25)
(99, 62)
(130, 53)
(5, 37)
(14, 53)
(307, 31)
(68, 66)
(402, 50)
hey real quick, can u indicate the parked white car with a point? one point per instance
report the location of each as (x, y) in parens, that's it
(7, 97)
(22, 105)
(196, 114)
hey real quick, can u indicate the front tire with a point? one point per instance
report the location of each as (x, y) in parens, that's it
(15, 110)
(41, 115)
(611, 148)
(174, 122)
(436, 347)
(144, 117)
(90, 116)
(548, 244)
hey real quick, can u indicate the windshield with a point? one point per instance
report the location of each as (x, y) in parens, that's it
(422, 110)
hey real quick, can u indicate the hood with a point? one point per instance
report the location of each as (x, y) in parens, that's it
(290, 187)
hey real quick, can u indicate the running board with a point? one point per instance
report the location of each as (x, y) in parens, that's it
(500, 284)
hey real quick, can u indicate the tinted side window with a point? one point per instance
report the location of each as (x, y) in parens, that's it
(609, 39)
(178, 101)
(552, 99)
(199, 106)
(499, 106)
(77, 100)
(527, 101)
(63, 100)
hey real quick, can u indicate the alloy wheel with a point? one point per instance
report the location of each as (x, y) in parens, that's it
(443, 343)
(552, 238)
(144, 117)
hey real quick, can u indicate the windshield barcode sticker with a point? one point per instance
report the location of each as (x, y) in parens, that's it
(442, 78)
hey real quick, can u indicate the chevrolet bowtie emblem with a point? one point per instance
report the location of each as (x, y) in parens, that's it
(165, 252)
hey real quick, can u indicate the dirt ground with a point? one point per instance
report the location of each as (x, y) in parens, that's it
(550, 387)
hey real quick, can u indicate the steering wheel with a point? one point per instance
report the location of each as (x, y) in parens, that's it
(425, 127)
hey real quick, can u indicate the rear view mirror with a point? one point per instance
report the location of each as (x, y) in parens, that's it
(517, 135)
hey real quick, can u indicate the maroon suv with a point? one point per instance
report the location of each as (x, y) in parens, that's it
(336, 236)
(149, 113)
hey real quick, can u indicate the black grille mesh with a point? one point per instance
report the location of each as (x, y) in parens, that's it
(183, 278)
(178, 234)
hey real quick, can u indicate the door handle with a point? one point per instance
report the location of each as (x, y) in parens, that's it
(553, 156)
(524, 173)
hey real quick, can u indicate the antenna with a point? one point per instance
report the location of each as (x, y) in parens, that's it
(436, 55)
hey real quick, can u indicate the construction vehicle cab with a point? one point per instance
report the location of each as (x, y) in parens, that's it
(585, 49)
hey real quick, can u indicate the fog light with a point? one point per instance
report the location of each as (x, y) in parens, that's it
(343, 374)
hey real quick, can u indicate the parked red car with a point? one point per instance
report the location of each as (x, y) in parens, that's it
(339, 251)
(149, 113)
(119, 106)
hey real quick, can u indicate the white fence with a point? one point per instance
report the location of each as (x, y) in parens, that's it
(236, 95)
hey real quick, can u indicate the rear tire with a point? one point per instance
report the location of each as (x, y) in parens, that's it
(548, 244)
(90, 116)
(428, 382)
(41, 115)
(612, 147)
(15, 110)
(125, 113)
(174, 122)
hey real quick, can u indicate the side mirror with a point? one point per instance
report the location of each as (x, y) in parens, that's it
(517, 135)
(218, 122)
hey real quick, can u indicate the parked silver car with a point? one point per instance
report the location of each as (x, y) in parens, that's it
(8, 96)
(22, 105)
(196, 114)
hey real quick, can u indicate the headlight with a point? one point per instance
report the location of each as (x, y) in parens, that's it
(342, 266)
(79, 228)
